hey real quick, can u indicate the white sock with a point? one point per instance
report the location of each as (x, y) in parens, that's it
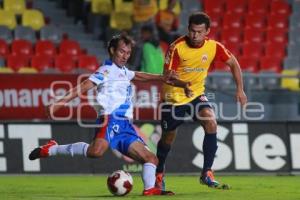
(79, 148)
(149, 175)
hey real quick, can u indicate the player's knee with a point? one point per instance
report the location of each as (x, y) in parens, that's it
(151, 158)
(210, 126)
(95, 152)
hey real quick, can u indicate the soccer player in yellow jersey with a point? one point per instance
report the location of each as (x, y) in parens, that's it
(190, 56)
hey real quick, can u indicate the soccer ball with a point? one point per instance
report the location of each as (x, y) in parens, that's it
(120, 183)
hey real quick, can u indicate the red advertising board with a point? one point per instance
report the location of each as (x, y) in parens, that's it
(24, 96)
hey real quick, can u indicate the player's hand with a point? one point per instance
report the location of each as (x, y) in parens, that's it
(188, 92)
(241, 97)
(170, 76)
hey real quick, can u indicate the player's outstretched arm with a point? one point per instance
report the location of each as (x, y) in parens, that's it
(142, 76)
(71, 94)
(170, 77)
(237, 75)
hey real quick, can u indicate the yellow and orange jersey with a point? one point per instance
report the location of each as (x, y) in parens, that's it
(192, 65)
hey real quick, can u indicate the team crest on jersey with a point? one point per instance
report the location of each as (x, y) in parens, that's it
(106, 72)
(121, 76)
(204, 58)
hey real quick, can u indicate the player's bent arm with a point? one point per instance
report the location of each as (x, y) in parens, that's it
(237, 75)
(71, 94)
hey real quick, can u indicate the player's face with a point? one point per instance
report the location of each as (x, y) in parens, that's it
(197, 34)
(121, 54)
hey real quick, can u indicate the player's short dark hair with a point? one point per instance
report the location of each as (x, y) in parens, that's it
(199, 18)
(114, 42)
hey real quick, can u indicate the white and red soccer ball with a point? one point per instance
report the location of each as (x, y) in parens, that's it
(120, 183)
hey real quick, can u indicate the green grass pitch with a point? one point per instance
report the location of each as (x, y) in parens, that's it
(93, 187)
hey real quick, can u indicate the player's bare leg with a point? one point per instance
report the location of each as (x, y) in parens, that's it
(139, 152)
(97, 148)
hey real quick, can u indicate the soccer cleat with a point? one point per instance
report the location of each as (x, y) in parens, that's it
(43, 151)
(157, 191)
(160, 181)
(208, 179)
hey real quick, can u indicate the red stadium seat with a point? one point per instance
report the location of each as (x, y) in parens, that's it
(252, 34)
(220, 66)
(259, 6)
(281, 7)
(278, 21)
(70, 47)
(231, 20)
(275, 49)
(88, 62)
(17, 61)
(248, 64)
(214, 6)
(215, 20)
(255, 50)
(4, 50)
(255, 20)
(214, 33)
(22, 47)
(231, 35)
(45, 47)
(270, 64)
(41, 62)
(277, 35)
(234, 48)
(236, 6)
(64, 63)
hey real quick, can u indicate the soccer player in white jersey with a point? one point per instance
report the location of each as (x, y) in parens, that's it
(115, 111)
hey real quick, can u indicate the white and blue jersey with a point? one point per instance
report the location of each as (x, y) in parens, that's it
(114, 90)
(115, 110)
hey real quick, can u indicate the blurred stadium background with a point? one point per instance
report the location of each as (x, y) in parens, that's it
(52, 43)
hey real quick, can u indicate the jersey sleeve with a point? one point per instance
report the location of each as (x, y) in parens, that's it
(172, 58)
(222, 54)
(98, 77)
(130, 74)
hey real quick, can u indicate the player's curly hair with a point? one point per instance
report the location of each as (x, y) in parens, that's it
(113, 43)
(199, 18)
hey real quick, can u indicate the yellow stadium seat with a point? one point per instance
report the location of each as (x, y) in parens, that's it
(120, 21)
(33, 19)
(104, 7)
(4, 70)
(163, 5)
(144, 11)
(123, 6)
(8, 19)
(16, 6)
(291, 83)
(27, 70)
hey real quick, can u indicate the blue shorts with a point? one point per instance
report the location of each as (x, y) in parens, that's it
(118, 132)
(174, 115)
